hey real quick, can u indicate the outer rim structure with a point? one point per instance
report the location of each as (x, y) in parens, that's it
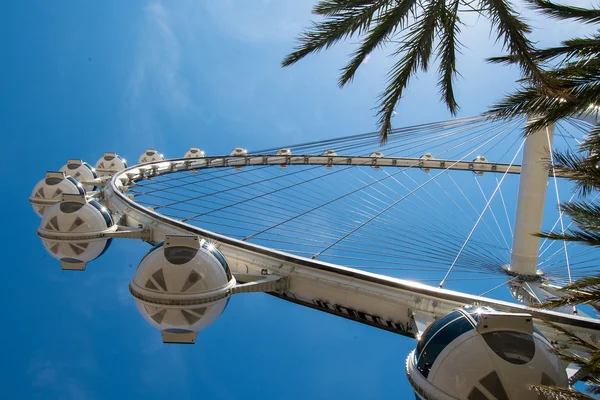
(407, 296)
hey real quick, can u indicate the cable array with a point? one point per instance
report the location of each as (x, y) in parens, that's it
(406, 222)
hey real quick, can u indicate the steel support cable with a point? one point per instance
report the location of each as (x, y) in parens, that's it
(551, 242)
(376, 198)
(237, 188)
(372, 143)
(412, 239)
(417, 267)
(420, 200)
(443, 206)
(464, 279)
(500, 285)
(588, 262)
(562, 226)
(414, 138)
(467, 199)
(559, 264)
(375, 134)
(459, 207)
(441, 140)
(475, 209)
(236, 197)
(509, 149)
(202, 176)
(510, 229)
(186, 177)
(417, 205)
(232, 219)
(498, 244)
(249, 209)
(486, 268)
(395, 252)
(564, 131)
(408, 241)
(551, 257)
(585, 263)
(396, 202)
(469, 263)
(479, 219)
(383, 236)
(492, 212)
(262, 195)
(581, 126)
(289, 187)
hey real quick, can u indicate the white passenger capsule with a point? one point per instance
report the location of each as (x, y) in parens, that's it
(283, 152)
(150, 155)
(81, 171)
(478, 350)
(480, 159)
(329, 153)
(376, 154)
(238, 152)
(109, 164)
(426, 157)
(72, 231)
(194, 153)
(181, 286)
(49, 190)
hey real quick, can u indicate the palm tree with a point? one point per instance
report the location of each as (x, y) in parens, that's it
(584, 169)
(558, 82)
(420, 30)
(573, 67)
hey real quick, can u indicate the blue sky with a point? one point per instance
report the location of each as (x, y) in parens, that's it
(82, 78)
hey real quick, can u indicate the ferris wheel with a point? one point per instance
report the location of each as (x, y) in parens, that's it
(418, 237)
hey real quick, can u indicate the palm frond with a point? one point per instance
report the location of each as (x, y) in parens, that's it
(573, 339)
(583, 283)
(584, 214)
(343, 23)
(587, 47)
(590, 239)
(513, 32)
(591, 144)
(328, 8)
(582, 49)
(450, 29)
(412, 52)
(386, 24)
(559, 393)
(593, 385)
(580, 87)
(581, 295)
(559, 11)
(585, 173)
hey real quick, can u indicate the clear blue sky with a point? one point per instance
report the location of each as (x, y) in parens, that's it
(84, 77)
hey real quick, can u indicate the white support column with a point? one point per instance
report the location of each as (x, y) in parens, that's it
(530, 202)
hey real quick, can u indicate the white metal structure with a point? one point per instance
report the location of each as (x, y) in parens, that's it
(343, 213)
